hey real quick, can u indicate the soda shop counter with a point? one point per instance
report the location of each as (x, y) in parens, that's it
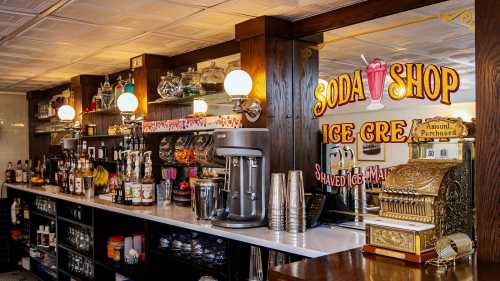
(105, 219)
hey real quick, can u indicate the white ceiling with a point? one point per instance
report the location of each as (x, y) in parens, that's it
(414, 36)
(72, 37)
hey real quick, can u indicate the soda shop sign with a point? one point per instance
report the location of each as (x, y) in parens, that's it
(411, 80)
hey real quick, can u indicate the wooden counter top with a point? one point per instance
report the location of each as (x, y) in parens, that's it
(353, 265)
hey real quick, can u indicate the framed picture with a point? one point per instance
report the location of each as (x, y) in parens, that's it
(373, 152)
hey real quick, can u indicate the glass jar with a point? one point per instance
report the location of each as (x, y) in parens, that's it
(169, 87)
(212, 79)
(190, 83)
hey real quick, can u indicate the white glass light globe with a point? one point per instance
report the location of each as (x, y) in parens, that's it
(200, 107)
(238, 83)
(66, 113)
(127, 102)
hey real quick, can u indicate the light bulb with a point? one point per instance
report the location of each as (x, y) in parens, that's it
(127, 102)
(238, 83)
(200, 107)
(66, 113)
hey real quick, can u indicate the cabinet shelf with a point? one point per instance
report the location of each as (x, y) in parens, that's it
(71, 221)
(218, 271)
(43, 215)
(136, 271)
(72, 250)
(103, 137)
(219, 98)
(111, 111)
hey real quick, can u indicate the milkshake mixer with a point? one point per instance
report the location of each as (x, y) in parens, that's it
(247, 176)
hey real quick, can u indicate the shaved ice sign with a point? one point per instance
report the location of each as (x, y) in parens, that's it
(410, 80)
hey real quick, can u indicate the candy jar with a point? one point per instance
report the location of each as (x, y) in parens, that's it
(212, 79)
(190, 83)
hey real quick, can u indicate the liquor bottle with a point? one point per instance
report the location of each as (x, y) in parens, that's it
(19, 172)
(135, 181)
(71, 176)
(84, 153)
(102, 152)
(148, 182)
(128, 184)
(26, 211)
(25, 172)
(43, 168)
(119, 87)
(52, 235)
(10, 174)
(130, 86)
(78, 179)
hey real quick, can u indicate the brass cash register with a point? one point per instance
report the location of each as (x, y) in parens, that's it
(429, 197)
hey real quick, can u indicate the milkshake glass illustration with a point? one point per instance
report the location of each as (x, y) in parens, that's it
(376, 72)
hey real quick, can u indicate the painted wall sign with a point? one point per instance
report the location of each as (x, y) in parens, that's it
(393, 131)
(372, 174)
(411, 80)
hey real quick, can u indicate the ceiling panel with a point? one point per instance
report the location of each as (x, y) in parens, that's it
(204, 25)
(143, 15)
(28, 6)
(10, 22)
(77, 33)
(32, 48)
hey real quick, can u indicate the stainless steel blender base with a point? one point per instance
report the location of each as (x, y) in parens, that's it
(237, 224)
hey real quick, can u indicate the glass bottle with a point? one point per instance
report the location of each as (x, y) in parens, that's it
(19, 172)
(10, 175)
(107, 93)
(147, 181)
(130, 86)
(102, 152)
(119, 87)
(79, 179)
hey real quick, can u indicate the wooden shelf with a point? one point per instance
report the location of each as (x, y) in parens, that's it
(112, 111)
(75, 276)
(103, 137)
(220, 98)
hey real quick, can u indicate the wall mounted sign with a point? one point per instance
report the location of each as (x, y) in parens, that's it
(411, 80)
(372, 174)
(393, 131)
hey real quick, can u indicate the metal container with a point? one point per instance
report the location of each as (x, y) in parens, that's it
(69, 143)
(207, 201)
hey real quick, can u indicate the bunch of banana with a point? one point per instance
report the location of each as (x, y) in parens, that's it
(100, 176)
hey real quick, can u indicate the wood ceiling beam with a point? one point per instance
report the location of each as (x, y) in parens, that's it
(211, 52)
(357, 13)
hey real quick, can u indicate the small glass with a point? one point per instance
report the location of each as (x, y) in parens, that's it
(190, 83)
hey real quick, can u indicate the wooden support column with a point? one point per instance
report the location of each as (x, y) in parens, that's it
(268, 55)
(488, 131)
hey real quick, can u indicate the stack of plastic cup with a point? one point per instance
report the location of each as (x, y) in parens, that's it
(276, 208)
(295, 203)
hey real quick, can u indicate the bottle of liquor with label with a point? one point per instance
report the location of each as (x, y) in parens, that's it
(10, 174)
(19, 172)
(79, 179)
(25, 172)
(102, 152)
(148, 192)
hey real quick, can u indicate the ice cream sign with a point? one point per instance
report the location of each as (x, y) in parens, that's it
(410, 80)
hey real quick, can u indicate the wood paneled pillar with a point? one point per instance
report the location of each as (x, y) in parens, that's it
(269, 55)
(488, 131)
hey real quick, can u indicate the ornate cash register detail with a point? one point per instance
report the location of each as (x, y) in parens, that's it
(428, 197)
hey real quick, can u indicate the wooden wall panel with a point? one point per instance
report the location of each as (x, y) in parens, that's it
(305, 126)
(488, 129)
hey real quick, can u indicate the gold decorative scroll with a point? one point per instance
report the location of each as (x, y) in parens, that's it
(419, 177)
(439, 128)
